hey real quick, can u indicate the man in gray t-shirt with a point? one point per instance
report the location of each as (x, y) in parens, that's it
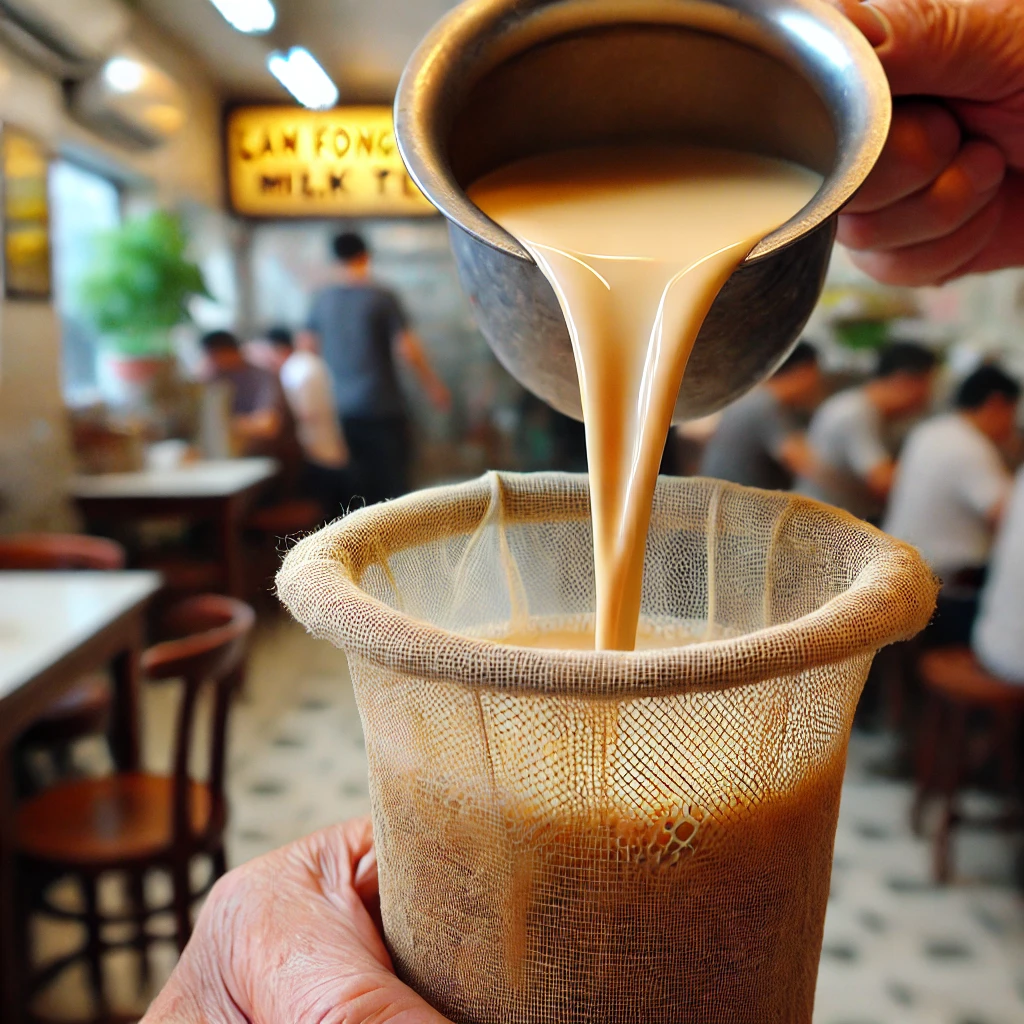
(357, 324)
(758, 441)
(360, 328)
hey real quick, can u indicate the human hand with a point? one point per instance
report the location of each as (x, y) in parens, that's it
(292, 938)
(947, 196)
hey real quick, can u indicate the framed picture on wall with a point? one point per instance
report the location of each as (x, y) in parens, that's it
(26, 225)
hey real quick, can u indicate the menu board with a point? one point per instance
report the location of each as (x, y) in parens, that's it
(288, 162)
(26, 216)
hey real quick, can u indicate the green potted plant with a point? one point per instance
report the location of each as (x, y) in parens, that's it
(138, 289)
(862, 315)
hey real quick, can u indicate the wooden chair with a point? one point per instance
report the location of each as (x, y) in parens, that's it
(960, 691)
(30, 551)
(267, 528)
(286, 518)
(132, 823)
(85, 709)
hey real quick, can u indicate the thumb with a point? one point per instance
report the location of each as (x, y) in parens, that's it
(958, 49)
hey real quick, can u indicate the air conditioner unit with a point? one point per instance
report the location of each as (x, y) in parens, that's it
(64, 37)
(130, 100)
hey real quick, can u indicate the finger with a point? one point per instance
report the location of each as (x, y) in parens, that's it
(959, 192)
(947, 47)
(367, 885)
(307, 950)
(334, 857)
(933, 263)
(1006, 247)
(287, 938)
(366, 881)
(358, 839)
(198, 990)
(866, 18)
(323, 962)
(923, 140)
(1002, 121)
(372, 998)
(188, 1000)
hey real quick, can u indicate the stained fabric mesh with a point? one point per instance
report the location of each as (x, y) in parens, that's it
(572, 836)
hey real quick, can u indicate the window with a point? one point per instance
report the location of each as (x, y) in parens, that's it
(83, 203)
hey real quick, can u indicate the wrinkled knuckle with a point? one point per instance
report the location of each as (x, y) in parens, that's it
(946, 24)
(227, 886)
(229, 891)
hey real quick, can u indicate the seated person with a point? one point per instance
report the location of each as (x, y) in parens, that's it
(952, 483)
(998, 637)
(308, 389)
(853, 468)
(258, 417)
(759, 441)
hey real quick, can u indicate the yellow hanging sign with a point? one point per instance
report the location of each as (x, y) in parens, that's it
(287, 162)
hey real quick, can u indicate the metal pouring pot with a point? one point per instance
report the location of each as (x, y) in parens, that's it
(498, 80)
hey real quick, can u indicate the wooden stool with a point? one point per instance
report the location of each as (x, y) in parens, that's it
(133, 822)
(959, 688)
(85, 709)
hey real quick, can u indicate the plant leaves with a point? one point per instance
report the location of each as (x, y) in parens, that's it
(141, 280)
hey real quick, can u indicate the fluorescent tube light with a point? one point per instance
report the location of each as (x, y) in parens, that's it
(299, 72)
(251, 16)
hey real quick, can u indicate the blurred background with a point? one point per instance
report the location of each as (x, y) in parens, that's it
(225, 308)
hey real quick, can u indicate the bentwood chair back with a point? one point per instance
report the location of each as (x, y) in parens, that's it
(54, 551)
(134, 822)
(210, 639)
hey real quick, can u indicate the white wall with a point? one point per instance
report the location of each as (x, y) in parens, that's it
(34, 458)
(977, 317)
(188, 167)
(290, 261)
(34, 451)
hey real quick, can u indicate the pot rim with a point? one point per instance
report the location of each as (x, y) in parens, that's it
(472, 34)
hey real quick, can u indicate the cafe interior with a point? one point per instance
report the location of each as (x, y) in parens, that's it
(187, 186)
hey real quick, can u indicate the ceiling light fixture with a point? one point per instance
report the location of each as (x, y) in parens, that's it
(251, 16)
(123, 74)
(298, 71)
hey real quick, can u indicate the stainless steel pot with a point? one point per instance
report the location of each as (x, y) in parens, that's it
(497, 80)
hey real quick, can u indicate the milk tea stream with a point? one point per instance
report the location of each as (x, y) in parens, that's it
(636, 242)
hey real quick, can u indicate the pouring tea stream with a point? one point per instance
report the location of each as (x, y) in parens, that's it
(638, 240)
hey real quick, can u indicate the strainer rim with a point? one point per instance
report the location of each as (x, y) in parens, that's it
(346, 614)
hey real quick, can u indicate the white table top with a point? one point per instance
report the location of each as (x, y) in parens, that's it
(46, 615)
(211, 479)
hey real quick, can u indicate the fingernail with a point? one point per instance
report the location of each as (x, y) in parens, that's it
(872, 22)
(984, 165)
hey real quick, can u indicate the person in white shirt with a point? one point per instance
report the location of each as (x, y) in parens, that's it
(998, 638)
(306, 381)
(853, 467)
(952, 482)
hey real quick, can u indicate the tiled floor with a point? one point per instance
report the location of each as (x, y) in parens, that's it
(898, 950)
